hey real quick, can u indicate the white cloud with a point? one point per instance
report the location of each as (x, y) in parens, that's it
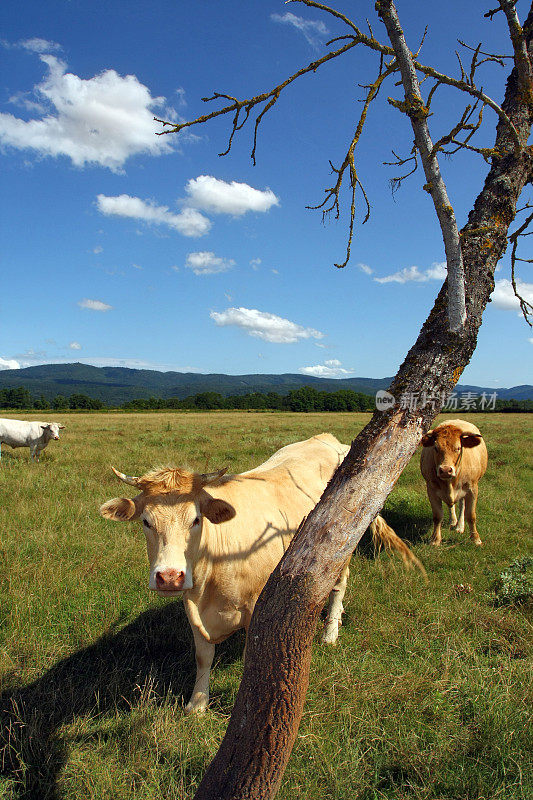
(98, 249)
(75, 346)
(9, 363)
(255, 263)
(314, 31)
(99, 361)
(94, 305)
(180, 92)
(219, 197)
(264, 325)
(207, 263)
(504, 297)
(329, 369)
(437, 271)
(24, 100)
(365, 268)
(135, 363)
(530, 339)
(188, 222)
(30, 355)
(37, 45)
(101, 120)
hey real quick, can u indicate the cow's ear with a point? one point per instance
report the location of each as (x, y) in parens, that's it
(217, 511)
(61, 427)
(428, 439)
(471, 439)
(120, 509)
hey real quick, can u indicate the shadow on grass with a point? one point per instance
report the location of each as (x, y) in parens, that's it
(410, 523)
(154, 650)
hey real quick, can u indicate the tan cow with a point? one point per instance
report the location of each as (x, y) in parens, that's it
(217, 538)
(454, 458)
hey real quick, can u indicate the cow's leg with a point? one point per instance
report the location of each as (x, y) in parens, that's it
(333, 621)
(34, 453)
(436, 507)
(453, 517)
(460, 523)
(205, 652)
(470, 513)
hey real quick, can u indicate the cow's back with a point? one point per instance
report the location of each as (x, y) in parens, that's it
(270, 501)
(17, 433)
(302, 458)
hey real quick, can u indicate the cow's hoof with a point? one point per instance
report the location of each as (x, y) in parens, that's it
(435, 542)
(478, 542)
(330, 634)
(200, 707)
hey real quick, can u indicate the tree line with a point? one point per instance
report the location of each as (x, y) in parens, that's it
(305, 399)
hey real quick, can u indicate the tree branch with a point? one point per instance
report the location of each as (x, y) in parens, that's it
(463, 85)
(332, 194)
(269, 98)
(523, 64)
(241, 110)
(525, 307)
(417, 112)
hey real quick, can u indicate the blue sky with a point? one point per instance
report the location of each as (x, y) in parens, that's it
(123, 248)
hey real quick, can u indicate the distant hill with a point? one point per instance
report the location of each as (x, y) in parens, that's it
(117, 385)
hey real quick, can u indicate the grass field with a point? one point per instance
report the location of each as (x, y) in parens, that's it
(427, 696)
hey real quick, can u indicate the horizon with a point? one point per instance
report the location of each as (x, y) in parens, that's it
(461, 382)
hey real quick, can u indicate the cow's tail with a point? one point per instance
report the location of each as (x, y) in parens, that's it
(384, 536)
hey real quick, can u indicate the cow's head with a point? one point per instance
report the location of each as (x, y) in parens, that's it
(171, 508)
(447, 442)
(51, 430)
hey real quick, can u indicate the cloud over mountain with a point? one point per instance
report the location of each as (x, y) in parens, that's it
(329, 369)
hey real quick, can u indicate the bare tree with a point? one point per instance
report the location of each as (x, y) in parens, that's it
(264, 723)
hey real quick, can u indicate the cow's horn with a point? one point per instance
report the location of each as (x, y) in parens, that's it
(131, 479)
(209, 477)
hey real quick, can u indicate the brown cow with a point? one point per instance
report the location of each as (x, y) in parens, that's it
(454, 458)
(217, 538)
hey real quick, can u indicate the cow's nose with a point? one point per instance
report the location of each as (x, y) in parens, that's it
(446, 472)
(169, 579)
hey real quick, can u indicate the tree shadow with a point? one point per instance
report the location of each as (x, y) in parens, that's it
(154, 650)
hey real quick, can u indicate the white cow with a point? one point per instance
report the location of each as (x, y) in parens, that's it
(35, 435)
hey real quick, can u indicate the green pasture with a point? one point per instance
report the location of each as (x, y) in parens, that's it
(427, 696)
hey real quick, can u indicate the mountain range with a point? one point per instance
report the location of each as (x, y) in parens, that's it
(117, 385)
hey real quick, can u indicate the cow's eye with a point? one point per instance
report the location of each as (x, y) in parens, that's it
(196, 521)
(146, 523)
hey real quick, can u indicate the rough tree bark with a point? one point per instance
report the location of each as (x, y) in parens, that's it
(252, 757)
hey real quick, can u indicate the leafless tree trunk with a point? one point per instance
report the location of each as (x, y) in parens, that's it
(264, 723)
